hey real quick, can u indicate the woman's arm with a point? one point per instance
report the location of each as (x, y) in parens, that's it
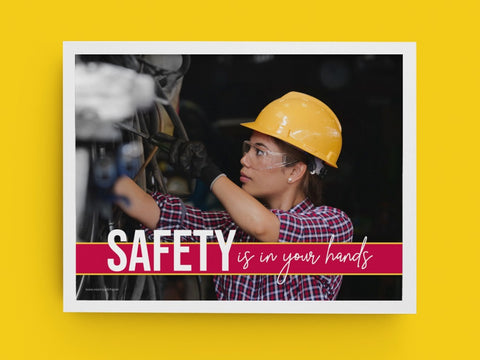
(136, 203)
(246, 211)
(191, 157)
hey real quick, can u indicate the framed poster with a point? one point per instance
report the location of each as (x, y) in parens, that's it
(128, 105)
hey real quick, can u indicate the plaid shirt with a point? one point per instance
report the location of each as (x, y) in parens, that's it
(302, 223)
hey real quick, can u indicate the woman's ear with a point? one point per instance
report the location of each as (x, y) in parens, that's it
(296, 172)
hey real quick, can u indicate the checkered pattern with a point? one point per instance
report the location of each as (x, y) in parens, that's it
(303, 223)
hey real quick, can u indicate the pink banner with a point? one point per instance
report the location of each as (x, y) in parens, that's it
(140, 257)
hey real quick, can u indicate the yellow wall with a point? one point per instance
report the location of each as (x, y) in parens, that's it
(31, 146)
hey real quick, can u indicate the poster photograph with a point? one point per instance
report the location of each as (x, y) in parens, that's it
(239, 177)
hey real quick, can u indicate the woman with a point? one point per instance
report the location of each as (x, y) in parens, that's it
(294, 138)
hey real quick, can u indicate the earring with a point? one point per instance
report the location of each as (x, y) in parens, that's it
(289, 180)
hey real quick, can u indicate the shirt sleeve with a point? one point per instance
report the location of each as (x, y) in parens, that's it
(318, 225)
(176, 215)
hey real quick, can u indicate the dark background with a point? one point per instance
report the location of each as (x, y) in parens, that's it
(364, 91)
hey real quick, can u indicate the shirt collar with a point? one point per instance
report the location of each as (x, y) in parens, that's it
(303, 206)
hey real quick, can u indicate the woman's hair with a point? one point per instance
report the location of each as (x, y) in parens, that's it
(311, 183)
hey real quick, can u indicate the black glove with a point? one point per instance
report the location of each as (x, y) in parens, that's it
(191, 158)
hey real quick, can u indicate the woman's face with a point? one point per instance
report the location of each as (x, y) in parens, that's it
(261, 176)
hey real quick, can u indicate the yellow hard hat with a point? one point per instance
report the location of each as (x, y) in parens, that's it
(302, 121)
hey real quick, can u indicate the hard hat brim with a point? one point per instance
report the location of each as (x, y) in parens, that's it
(253, 125)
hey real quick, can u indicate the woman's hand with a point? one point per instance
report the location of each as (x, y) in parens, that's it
(191, 158)
(136, 203)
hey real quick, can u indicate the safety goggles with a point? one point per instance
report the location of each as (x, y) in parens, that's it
(263, 159)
